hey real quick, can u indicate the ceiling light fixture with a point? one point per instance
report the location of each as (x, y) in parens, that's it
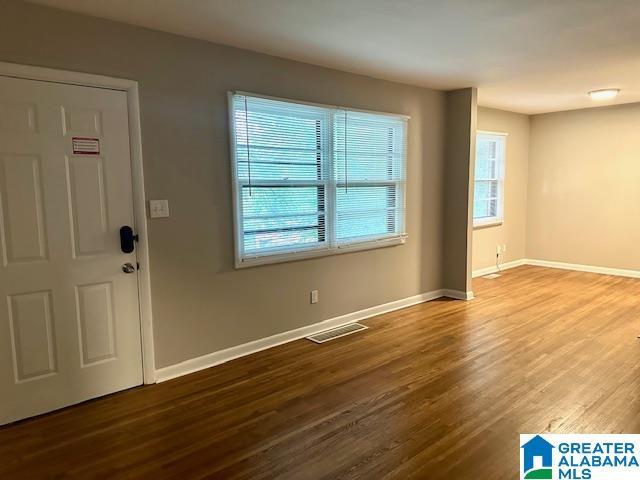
(605, 94)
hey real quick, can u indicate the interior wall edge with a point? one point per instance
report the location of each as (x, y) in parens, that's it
(460, 131)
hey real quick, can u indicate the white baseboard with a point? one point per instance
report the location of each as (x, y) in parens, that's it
(562, 265)
(457, 294)
(222, 356)
(481, 272)
(584, 268)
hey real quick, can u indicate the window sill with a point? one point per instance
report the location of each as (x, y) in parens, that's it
(487, 224)
(316, 253)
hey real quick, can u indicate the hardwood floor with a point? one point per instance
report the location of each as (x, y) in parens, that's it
(440, 390)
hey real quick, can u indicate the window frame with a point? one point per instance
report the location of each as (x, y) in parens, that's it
(314, 250)
(498, 219)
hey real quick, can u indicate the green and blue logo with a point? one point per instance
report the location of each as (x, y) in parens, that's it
(580, 457)
(537, 459)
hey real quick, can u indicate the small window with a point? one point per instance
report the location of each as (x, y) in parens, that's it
(488, 194)
(313, 180)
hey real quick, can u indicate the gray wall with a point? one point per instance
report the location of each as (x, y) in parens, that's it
(460, 148)
(512, 232)
(201, 304)
(584, 187)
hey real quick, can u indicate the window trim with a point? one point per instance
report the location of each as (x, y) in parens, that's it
(315, 250)
(497, 220)
(231, 93)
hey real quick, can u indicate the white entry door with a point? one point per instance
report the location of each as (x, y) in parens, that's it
(69, 317)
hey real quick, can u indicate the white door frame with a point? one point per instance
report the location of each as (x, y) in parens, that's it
(137, 177)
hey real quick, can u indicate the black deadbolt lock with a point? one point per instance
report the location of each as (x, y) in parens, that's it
(127, 239)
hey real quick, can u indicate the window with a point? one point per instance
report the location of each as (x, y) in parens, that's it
(488, 193)
(311, 180)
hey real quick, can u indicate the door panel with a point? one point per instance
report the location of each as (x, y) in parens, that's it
(95, 321)
(17, 117)
(69, 317)
(87, 205)
(21, 216)
(81, 121)
(32, 336)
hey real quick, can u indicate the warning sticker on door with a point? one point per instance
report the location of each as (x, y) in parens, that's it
(85, 146)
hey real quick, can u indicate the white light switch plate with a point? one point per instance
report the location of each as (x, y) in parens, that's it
(158, 208)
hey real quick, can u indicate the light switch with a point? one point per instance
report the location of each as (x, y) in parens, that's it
(158, 208)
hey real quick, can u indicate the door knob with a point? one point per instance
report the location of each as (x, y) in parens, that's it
(128, 268)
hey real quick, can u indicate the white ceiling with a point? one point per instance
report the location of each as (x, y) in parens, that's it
(528, 56)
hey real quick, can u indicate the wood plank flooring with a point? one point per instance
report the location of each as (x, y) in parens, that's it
(436, 391)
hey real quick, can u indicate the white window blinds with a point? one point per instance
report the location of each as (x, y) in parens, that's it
(489, 178)
(313, 178)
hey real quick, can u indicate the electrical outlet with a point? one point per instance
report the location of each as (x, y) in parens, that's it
(314, 296)
(504, 248)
